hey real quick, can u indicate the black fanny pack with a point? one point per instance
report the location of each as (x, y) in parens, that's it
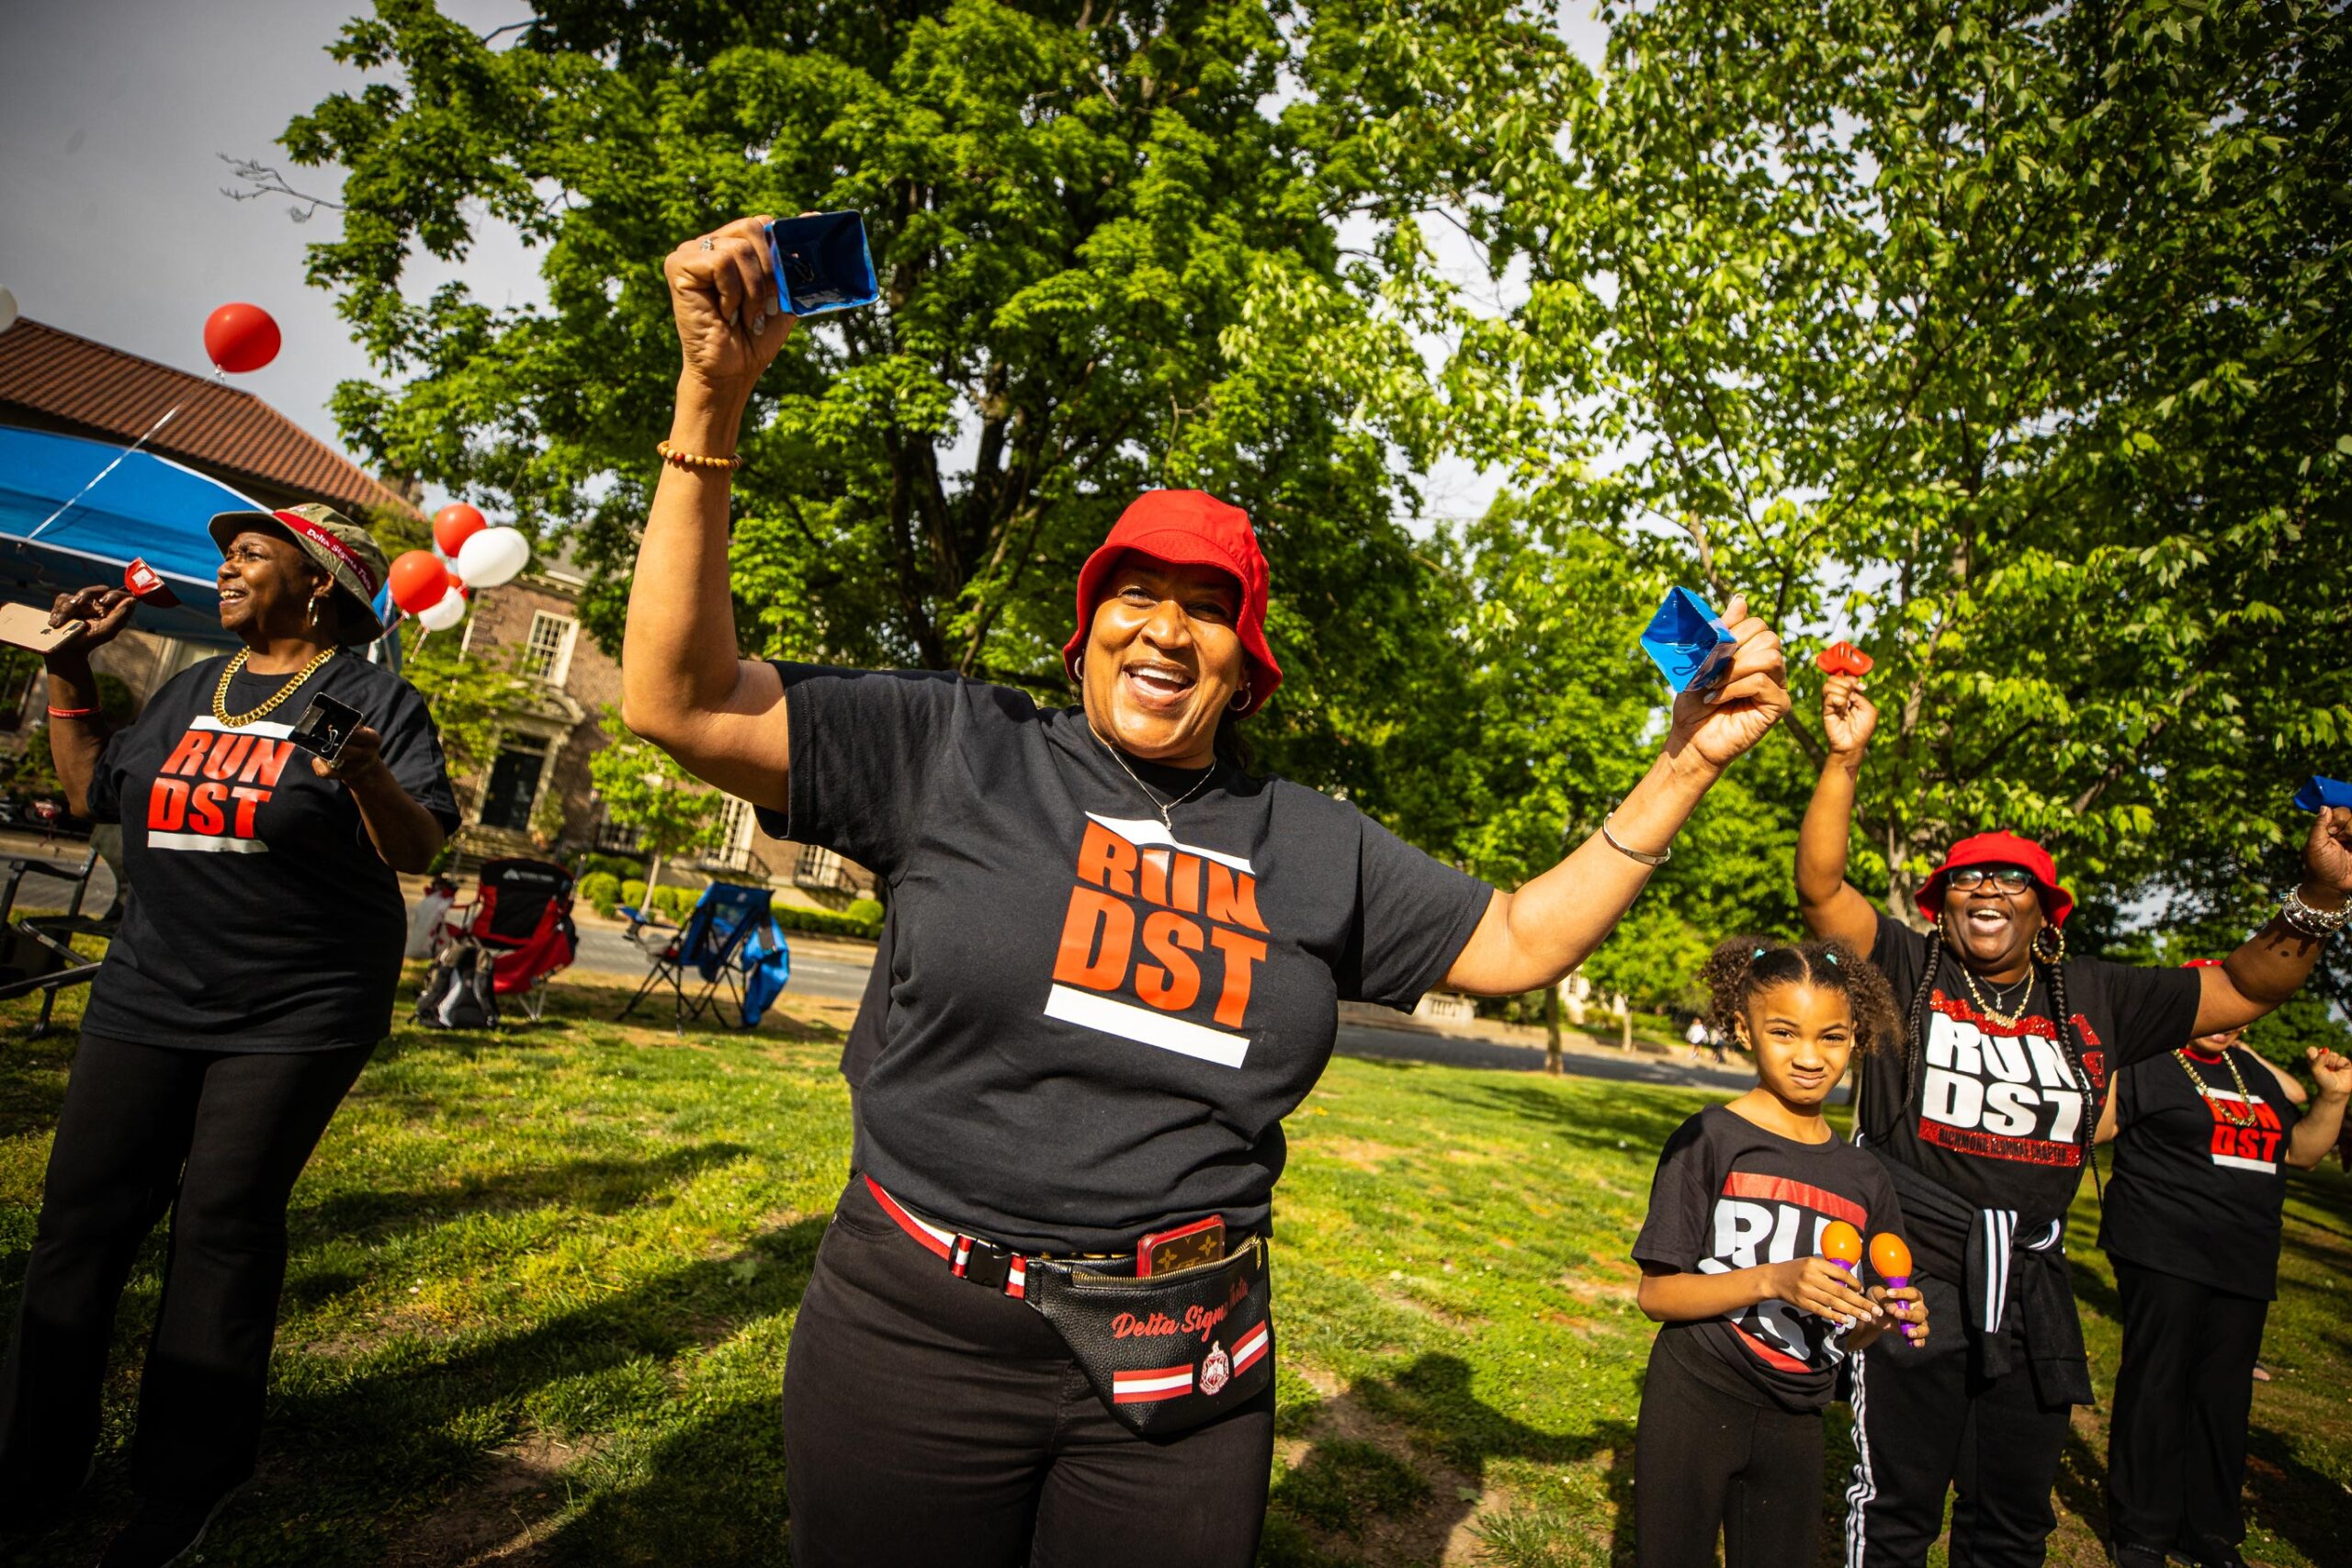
(1168, 1352)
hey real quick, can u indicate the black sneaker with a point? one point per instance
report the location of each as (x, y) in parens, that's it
(2131, 1554)
(162, 1532)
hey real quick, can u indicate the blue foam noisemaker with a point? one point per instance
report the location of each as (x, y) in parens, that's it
(1689, 642)
(821, 262)
(2323, 792)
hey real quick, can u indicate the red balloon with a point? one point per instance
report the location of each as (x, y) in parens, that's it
(454, 524)
(419, 579)
(240, 338)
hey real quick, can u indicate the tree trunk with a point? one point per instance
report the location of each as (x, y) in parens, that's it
(1552, 1030)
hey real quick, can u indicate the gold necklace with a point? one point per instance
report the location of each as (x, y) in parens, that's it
(220, 693)
(2008, 1021)
(2245, 1101)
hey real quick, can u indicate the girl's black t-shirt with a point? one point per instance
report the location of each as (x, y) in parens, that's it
(261, 917)
(1092, 1025)
(2201, 1178)
(1728, 1195)
(1996, 1115)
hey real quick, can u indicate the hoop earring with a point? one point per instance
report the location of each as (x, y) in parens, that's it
(1078, 670)
(315, 614)
(1240, 702)
(2057, 935)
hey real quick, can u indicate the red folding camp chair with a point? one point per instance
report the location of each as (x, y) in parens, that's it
(520, 915)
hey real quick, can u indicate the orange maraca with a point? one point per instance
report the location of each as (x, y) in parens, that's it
(1890, 1259)
(1842, 1244)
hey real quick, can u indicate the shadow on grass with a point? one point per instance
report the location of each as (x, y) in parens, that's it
(1397, 1465)
(592, 1186)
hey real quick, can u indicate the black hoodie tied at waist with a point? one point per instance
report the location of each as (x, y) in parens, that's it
(2006, 1275)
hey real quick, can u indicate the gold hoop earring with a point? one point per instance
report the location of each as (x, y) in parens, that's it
(315, 614)
(1078, 670)
(1240, 702)
(2057, 953)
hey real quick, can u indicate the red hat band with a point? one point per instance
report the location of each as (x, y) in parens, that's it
(1187, 527)
(2001, 848)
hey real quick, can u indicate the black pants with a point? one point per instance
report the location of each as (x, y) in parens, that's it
(217, 1140)
(928, 1419)
(1926, 1420)
(2175, 1449)
(1706, 1462)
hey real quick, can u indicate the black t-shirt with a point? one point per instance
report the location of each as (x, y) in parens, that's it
(261, 916)
(2194, 1193)
(1094, 1026)
(1730, 1195)
(1997, 1116)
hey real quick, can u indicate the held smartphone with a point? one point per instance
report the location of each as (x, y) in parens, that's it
(324, 728)
(21, 626)
(821, 263)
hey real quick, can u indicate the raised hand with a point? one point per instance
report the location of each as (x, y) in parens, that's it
(2333, 1070)
(1847, 717)
(1719, 723)
(722, 295)
(104, 612)
(2327, 853)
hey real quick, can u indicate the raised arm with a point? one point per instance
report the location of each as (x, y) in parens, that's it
(1834, 907)
(77, 733)
(2275, 961)
(2323, 1122)
(684, 686)
(1534, 936)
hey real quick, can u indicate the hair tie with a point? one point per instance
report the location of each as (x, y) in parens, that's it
(1830, 954)
(1755, 955)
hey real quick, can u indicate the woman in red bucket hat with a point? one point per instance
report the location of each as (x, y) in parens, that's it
(1039, 1327)
(1985, 1120)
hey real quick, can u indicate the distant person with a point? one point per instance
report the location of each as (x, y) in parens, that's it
(1984, 1119)
(1696, 1036)
(1757, 1321)
(1117, 954)
(252, 976)
(2192, 1223)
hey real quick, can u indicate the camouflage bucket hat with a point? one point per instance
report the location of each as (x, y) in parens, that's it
(344, 551)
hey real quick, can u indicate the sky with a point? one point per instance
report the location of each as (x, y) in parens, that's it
(115, 116)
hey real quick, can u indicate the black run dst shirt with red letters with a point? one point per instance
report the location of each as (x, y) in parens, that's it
(2195, 1194)
(261, 916)
(1999, 1118)
(1094, 1026)
(1728, 1195)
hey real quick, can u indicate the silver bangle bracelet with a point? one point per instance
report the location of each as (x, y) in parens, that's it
(2308, 919)
(1630, 852)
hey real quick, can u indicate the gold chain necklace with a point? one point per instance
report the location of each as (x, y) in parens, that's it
(238, 721)
(2008, 1021)
(2247, 1115)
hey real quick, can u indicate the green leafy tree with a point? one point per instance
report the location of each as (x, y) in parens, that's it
(1111, 245)
(472, 698)
(648, 793)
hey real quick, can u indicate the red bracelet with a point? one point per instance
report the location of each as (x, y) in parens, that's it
(71, 713)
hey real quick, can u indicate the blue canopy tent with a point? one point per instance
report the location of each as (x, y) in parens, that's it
(149, 507)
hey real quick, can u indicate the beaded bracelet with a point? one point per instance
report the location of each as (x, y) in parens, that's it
(71, 713)
(696, 459)
(2306, 919)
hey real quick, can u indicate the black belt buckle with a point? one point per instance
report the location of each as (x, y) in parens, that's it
(982, 1261)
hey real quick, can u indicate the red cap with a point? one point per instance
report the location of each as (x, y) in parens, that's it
(2001, 848)
(2201, 964)
(1188, 527)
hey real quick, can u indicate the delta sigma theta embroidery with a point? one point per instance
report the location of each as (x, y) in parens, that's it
(1216, 1370)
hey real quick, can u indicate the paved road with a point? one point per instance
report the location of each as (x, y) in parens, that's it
(831, 973)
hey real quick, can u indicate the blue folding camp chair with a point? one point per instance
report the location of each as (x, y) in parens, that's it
(710, 944)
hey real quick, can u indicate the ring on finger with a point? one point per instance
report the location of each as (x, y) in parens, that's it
(709, 243)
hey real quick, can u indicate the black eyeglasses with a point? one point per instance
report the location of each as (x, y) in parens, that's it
(2006, 878)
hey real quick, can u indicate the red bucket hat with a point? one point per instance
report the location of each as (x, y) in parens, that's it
(1187, 527)
(2001, 848)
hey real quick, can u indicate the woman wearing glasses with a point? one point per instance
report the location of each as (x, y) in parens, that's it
(1984, 1120)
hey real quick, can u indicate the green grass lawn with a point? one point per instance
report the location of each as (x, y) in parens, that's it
(542, 1284)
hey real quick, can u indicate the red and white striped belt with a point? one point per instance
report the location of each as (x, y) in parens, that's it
(973, 1258)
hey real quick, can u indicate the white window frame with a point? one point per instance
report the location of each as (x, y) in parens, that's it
(558, 656)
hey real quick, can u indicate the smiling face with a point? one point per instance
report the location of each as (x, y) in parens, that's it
(1163, 660)
(1803, 1036)
(266, 584)
(1993, 923)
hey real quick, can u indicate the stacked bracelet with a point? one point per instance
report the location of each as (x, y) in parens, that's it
(2308, 919)
(696, 459)
(71, 713)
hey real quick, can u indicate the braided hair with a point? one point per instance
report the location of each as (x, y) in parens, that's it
(2052, 975)
(1743, 965)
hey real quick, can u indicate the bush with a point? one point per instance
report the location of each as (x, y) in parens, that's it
(867, 909)
(825, 923)
(620, 868)
(675, 902)
(599, 890)
(633, 892)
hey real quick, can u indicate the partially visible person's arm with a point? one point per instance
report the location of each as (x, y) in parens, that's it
(1833, 908)
(1810, 1285)
(1532, 938)
(2275, 961)
(2317, 1132)
(685, 685)
(2289, 1084)
(77, 733)
(2106, 1126)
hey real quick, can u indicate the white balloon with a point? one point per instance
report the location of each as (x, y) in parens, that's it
(7, 309)
(493, 557)
(443, 613)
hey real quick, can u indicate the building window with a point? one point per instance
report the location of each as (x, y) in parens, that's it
(734, 834)
(513, 785)
(615, 838)
(820, 868)
(547, 656)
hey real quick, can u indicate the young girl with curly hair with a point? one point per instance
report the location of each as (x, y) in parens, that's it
(1756, 1320)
